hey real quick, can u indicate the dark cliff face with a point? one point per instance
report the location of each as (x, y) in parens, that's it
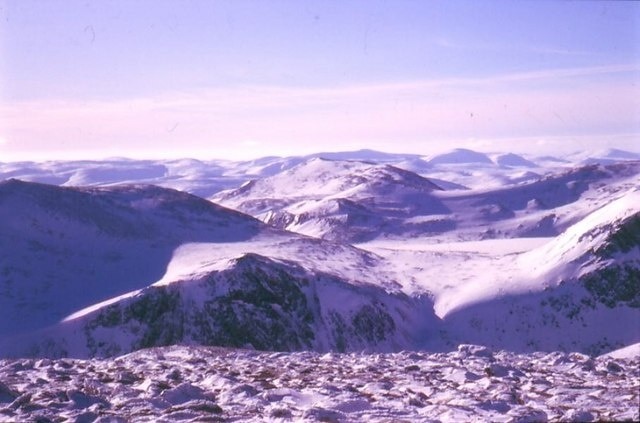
(623, 238)
(255, 303)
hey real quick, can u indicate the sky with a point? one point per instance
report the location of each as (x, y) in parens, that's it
(243, 79)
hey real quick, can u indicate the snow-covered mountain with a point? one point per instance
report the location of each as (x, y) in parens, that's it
(338, 200)
(139, 266)
(606, 156)
(567, 293)
(62, 249)
(457, 168)
(545, 263)
(359, 201)
(248, 302)
(459, 156)
(513, 160)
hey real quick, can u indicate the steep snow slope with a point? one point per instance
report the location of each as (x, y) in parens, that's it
(62, 249)
(577, 291)
(567, 293)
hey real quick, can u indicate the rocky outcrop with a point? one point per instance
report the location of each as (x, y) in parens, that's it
(254, 302)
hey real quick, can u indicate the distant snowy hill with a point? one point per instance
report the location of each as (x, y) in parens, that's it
(358, 201)
(607, 156)
(338, 200)
(459, 156)
(364, 155)
(456, 168)
(513, 160)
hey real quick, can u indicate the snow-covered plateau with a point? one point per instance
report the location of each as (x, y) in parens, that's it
(355, 286)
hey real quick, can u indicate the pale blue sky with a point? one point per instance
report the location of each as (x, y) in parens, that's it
(250, 78)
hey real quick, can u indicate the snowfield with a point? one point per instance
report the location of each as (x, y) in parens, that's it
(357, 286)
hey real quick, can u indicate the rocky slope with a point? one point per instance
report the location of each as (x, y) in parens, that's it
(213, 384)
(249, 302)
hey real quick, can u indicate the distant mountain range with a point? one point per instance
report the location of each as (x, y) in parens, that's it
(358, 201)
(109, 268)
(205, 178)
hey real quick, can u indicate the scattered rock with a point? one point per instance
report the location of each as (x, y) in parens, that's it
(531, 416)
(81, 400)
(462, 376)
(324, 415)
(21, 401)
(7, 395)
(229, 385)
(88, 417)
(203, 406)
(578, 416)
(280, 413)
(614, 367)
(467, 350)
(183, 393)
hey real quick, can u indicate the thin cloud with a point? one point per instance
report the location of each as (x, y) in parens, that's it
(516, 104)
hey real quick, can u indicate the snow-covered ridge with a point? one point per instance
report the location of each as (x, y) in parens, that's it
(65, 248)
(324, 178)
(356, 201)
(338, 200)
(250, 302)
(573, 253)
(135, 266)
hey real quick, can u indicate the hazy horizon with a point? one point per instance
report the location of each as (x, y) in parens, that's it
(246, 79)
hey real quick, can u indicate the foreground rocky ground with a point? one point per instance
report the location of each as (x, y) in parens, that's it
(213, 384)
